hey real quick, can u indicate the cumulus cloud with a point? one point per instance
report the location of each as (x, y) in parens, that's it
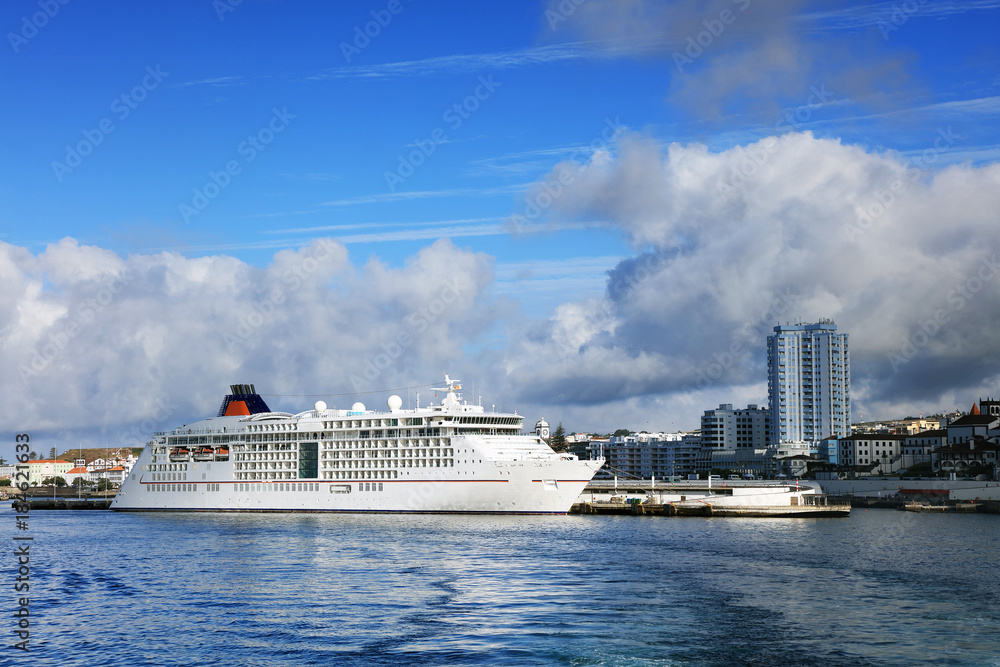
(902, 256)
(115, 347)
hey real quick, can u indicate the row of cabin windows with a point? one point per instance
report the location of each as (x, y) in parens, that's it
(169, 476)
(415, 463)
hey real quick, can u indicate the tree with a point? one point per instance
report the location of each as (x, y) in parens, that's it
(3, 461)
(5, 482)
(33, 455)
(52, 453)
(58, 481)
(103, 484)
(80, 481)
(558, 440)
(621, 433)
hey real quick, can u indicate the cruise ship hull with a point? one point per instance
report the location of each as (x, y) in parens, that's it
(448, 458)
(515, 488)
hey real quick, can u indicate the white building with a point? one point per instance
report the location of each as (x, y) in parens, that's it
(878, 453)
(791, 459)
(726, 428)
(76, 473)
(972, 426)
(809, 382)
(917, 448)
(114, 474)
(646, 455)
(42, 469)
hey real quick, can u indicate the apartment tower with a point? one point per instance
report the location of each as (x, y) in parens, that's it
(808, 382)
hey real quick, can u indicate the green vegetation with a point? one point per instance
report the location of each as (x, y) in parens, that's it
(558, 440)
(58, 481)
(97, 453)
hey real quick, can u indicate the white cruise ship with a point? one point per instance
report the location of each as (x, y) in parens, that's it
(446, 457)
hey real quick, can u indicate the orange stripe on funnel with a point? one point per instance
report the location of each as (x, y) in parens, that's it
(237, 408)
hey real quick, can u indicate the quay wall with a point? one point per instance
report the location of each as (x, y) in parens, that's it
(884, 487)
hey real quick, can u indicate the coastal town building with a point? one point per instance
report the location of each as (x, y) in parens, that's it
(78, 472)
(646, 455)
(874, 453)
(919, 447)
(989, 406)
(972, 426)
(978, 456)
(828, 450)
(791, 459)
(809, 380)
(726, 428)
(114, 474)
(42, 469)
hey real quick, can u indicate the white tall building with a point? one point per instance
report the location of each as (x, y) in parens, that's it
(809, 382)
(726, 428)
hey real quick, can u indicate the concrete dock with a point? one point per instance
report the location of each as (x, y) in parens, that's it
(64, 503)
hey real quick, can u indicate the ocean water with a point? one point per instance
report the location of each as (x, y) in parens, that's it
(879, 588)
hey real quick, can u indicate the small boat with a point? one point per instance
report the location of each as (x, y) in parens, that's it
(179, 454)
(204, 454)
(222, 453)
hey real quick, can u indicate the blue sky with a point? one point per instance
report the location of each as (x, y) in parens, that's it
(212, 143)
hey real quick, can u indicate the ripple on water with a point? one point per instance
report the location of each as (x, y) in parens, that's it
(133, 589)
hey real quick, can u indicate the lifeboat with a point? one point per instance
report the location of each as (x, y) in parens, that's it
(204, 454)
(179, 454)
(222, 453)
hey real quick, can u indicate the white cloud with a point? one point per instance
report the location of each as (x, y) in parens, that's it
(726, 245)
(738, 240)
(738, 56)
(94, 343)
(463, 63)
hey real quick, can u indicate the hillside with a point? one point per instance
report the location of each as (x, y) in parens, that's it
(95, 453)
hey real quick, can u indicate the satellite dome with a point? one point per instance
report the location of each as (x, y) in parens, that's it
(395, 403)
(320, 406)
(358, 407)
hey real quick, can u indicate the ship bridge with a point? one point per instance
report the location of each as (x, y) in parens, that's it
(515, 448)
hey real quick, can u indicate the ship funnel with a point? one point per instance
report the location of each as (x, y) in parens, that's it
(244, 400)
